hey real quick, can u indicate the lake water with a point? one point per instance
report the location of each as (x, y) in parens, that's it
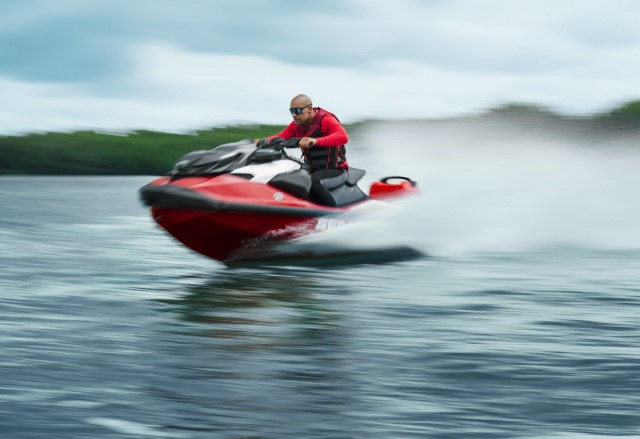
(521, 323)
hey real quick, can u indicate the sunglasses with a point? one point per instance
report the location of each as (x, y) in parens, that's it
(297, 110)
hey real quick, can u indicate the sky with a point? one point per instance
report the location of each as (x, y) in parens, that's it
(181, 65)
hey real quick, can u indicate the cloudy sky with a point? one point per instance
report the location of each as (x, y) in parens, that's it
(177, 65)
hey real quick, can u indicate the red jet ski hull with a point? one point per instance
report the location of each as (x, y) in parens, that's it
(219, 235)
(220, 216)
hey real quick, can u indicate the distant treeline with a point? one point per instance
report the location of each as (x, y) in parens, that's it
(94, 153)
(154, 153)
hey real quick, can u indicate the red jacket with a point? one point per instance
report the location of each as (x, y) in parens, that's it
(328, 133)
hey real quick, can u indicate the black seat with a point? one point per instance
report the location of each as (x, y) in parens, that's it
(354, 176)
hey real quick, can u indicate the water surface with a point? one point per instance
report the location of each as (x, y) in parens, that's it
(513, 327)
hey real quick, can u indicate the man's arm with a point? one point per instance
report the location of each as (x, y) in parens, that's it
(336, 134)
(287, 133)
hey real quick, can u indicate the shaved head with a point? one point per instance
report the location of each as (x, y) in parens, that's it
(301, 101)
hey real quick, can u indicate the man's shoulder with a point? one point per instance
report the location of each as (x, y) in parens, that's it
(329, 117)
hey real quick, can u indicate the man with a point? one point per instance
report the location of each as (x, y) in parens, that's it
(322, 142)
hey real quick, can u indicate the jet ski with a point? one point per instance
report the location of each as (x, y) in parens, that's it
(239, 196)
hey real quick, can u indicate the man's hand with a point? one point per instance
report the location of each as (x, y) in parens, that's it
(306, 142)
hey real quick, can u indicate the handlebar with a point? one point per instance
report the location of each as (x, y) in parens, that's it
(278, 143)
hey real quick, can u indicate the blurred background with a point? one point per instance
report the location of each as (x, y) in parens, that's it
(173, 66)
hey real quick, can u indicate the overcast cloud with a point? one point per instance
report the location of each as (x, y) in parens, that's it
(175, 65)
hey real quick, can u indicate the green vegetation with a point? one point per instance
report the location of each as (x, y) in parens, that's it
(154, 153)
(91, 153)
(628, 113)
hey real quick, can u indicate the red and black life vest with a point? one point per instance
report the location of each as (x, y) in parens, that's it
(321, 157)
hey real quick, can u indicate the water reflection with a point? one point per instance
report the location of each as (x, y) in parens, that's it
(260, 309)
(257, 350)
(239, 289)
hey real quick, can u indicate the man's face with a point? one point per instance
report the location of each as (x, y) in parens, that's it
(301, 112)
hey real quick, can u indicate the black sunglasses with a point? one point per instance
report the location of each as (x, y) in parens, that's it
(298, 110)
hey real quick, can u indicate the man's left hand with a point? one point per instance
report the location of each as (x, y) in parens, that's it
(306, 142)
